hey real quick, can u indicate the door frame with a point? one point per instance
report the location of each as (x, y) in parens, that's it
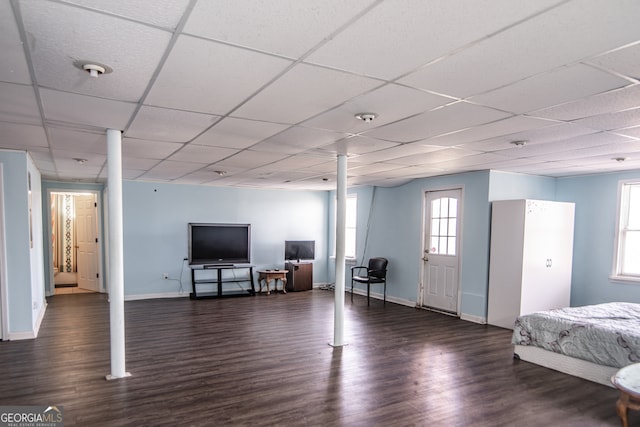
(4, 283)
(49, 261)
(423, 245)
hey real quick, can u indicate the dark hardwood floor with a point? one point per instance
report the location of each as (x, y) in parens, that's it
(265, 360)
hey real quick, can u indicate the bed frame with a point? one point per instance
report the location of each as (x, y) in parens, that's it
(569, 365)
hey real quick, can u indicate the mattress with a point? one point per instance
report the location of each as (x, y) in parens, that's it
(606, 334)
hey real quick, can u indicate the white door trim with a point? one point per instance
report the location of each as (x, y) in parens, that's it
(423, 231)
(49, 261)
(4, 299)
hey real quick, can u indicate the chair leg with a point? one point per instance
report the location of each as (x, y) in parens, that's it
(385, 293)
(352, 290)
(368, 292)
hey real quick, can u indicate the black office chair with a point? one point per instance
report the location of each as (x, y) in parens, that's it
(375, 272)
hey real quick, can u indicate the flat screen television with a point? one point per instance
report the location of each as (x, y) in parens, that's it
(219, 244)
(299, 250)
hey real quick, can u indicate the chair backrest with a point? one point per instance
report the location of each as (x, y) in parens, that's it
(378, 267)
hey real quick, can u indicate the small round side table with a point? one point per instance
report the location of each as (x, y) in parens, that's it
(627, 380)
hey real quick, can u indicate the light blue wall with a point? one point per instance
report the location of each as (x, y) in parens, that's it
(596, 199)
(16, 216)
(513, 186)
(155, 228)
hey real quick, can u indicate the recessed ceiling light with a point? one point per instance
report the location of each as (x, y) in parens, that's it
(519, 143)
(220, 173)
(366, 117)
(620, 159)
(79, 160)
(94, 69)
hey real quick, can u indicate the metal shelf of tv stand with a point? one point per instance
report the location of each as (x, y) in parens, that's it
(219, 281)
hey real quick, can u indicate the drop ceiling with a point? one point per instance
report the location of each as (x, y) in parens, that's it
(264, 94)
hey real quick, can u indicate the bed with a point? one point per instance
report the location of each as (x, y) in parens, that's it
(590, 342)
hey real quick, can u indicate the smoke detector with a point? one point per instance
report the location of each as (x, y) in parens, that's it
(366, 117)
(94, 69)
(519, 143)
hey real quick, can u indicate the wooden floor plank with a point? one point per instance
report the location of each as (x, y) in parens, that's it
(265, 360)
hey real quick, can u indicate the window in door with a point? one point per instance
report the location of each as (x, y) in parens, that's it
(444, 213)
(627, 257)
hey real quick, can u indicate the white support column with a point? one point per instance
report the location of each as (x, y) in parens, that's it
(116, 255)
(341, 215)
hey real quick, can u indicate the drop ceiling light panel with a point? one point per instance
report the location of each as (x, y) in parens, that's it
(302, 92)
(370, 45)
(358, 169)
(202, 154)
(359, 145)
(433, 157)
(238, 133)
(310, 21)
(61, 34)
(390, 102)
(300, 162)
(141, 148)
(544, 90)
(85, 111)
(13, 67)
(450, 118)
(18, 104)
(205, 76)
(403, 150)
(22, 137)
(161, 124)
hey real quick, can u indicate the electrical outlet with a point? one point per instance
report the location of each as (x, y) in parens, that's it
(165, 275)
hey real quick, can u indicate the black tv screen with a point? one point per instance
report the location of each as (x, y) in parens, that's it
(216, 244)
(299, 249)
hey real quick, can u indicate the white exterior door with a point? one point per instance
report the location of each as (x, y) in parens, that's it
(87, 242)
(441, 248)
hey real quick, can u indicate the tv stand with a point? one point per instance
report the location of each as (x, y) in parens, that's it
(221, 281)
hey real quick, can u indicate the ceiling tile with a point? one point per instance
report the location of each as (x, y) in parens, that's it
(623, 61)
(403, 150)
(433, 157)
(22, 137)
(202, 154)
(561, 36)
(79, 141)
(171, 170)
(567, 146)
(391, 102)
(302, 92)
(423, 29)
(568, 83)
(85, 111)
(238, 133)
(615, 100)
(359, 145)
(309, 20)
(13, 67)
(61, 34)
(506, 126)
(162, 124)
(450, 118)
(297, 140)
(18, 104)
(162, 13)
(633, 132)
(612, 121)
(249, 160)
(209, 77)
(143, 149)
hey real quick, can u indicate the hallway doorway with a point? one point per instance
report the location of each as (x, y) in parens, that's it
(75, 243)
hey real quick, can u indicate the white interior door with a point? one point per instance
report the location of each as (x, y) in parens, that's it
(440, 278)
(87, 242)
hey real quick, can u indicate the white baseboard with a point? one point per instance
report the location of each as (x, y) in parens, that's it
(40, 318)
(474, 319)
(155, 296)
(25, 335)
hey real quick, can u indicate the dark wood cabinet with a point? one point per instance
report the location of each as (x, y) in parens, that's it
(300, 276)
